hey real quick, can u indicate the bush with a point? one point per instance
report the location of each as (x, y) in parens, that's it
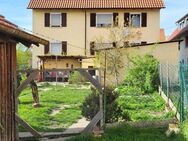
(90, 106)
(76, 78)
(143, 74)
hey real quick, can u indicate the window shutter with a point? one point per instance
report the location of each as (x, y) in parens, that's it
(144, 19)
(46, 49)
(47, 19)
(64, 48)
(93, 19)
(92, 46)
(115, 19)
(64, 19)
(126, 19)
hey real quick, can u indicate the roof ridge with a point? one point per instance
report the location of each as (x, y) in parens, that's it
(94, 4)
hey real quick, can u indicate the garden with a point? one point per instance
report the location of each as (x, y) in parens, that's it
(135, 99)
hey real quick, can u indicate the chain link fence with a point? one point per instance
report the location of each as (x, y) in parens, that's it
(174, 84)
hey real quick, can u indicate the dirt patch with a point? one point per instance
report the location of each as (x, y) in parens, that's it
(62, 107)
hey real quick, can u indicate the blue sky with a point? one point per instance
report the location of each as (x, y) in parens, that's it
(15, 11)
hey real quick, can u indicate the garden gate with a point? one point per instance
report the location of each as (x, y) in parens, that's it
(85, 73)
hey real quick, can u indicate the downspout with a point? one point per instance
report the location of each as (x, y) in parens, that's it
(85, 52)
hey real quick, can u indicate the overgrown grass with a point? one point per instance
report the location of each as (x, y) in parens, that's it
(127, 133)
(53, 97)
(143, 107)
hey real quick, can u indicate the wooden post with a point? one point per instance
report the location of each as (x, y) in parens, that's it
(104, 97)
(7, 90)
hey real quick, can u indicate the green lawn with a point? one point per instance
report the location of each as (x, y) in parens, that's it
(66, 100)
(127, 133)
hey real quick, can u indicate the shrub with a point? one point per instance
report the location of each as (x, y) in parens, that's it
(76, 78)
(90, 106)
(143, 74)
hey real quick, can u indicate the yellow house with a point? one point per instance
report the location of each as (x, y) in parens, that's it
(72, 26)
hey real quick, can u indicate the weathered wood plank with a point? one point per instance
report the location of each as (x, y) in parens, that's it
(93, 122)
(7, 110)
(50, 136)
(28, 127)
(93, 81)
(26, 82)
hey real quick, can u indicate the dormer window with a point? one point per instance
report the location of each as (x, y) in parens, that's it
(182, 24)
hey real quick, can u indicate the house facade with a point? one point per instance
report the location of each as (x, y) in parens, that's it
(73, 26)
(181, 33)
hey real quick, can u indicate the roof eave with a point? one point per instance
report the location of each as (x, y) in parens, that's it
(22, 36)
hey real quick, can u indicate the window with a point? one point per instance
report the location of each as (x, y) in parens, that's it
(186, 41)
(55, 19)
(56, 48)
(104, 20)
(136, 20)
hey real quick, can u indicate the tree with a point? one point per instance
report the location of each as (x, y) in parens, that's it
(117, 37)
(23, 57)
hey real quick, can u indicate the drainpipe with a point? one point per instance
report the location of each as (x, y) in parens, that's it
(85, 33)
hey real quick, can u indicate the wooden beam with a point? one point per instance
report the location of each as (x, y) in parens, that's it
(26, 82)
(51, 70)
(93, 122)
(93, 81)
(27, 127)
(49, 135)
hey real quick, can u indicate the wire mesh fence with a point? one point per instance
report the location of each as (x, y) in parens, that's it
(174, 84)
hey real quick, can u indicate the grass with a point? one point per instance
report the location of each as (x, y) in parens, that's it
(144, 107)
(127, 133)
(52, 97)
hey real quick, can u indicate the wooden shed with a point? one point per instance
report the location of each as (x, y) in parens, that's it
(10, 35)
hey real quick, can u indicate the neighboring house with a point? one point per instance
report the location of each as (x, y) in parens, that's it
(181, 33)
(73, 25)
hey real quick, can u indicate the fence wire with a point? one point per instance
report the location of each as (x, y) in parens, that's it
(174, 84)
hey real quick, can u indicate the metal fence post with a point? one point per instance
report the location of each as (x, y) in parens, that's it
(167, 85)
(160, 76)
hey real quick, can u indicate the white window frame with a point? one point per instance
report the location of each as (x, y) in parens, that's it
(104, 14)
(51, 47)
(60, 23)
(136, 13)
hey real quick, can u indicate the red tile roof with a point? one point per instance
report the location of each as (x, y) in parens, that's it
(7, 23)
(180, 33)
(174, 34)
(95, 4)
